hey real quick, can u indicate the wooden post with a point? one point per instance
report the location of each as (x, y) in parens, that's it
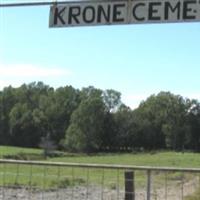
(129, 185)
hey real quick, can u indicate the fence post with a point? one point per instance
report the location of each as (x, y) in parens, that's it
(129, 185)
(148, 184)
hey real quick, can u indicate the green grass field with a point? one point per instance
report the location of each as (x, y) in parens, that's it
(161, 159)
(6, 150)
(170, 159)
(54, 177)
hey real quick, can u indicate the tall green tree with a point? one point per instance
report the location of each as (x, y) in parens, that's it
(8, 100)
(193, 117)
(163, 121)
(86, 129)
(22, 129)
(112, 100)
(1, 120)
(124, 129)
(58, 107)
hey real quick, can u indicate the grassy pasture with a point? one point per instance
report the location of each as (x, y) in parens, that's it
(170, 159)
(16, 152)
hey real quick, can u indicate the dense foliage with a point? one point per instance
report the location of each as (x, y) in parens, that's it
(92, 120)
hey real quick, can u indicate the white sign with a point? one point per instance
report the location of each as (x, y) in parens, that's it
(123, 12)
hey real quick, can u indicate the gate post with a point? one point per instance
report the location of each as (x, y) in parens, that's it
(129, 185)
(149, 185)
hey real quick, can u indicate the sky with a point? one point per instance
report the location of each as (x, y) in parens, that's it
(136, 60)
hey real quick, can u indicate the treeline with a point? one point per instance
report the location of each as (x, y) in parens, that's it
(93, 120)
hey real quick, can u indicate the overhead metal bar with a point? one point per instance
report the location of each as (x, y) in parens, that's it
(49, 3)
(41, 3)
